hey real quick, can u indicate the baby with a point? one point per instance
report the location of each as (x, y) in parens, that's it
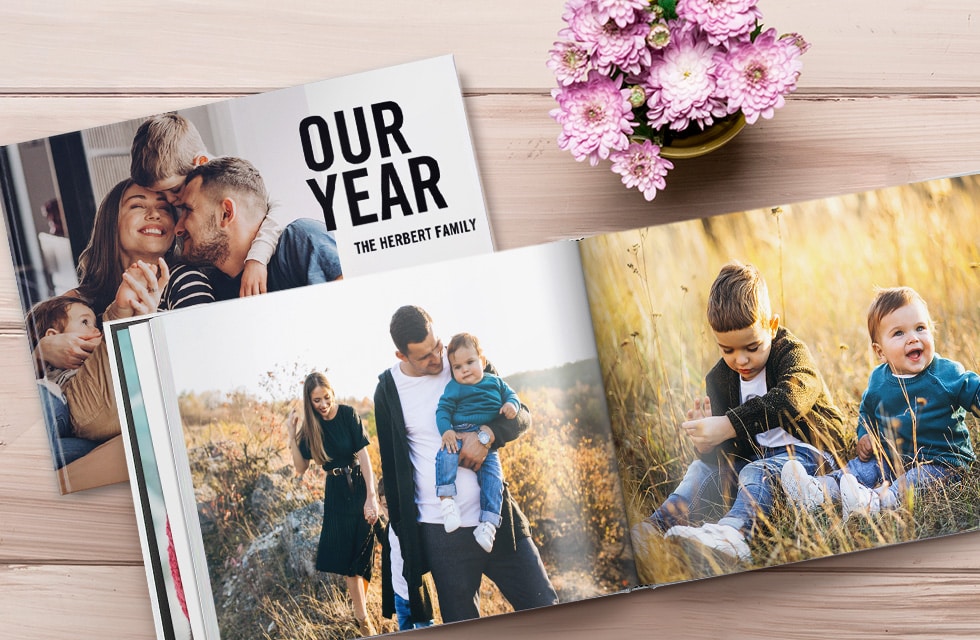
(61, 314)
(472, 398)
(911, 431)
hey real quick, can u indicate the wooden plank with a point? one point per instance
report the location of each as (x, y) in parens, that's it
(49, 602)
(237, 46)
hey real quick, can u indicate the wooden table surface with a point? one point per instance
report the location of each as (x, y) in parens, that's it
(890, 93)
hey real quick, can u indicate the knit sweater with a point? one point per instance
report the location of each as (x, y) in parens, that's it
(797, 400)
(923, 417)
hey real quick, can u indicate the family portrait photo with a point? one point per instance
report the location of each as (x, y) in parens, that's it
(420, 447)
(794, 382)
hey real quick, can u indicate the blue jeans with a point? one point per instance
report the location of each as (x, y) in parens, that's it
(65, 447)
(874, 472)
(490, 476)
(700, 495)
(404, 613)
(757, 479)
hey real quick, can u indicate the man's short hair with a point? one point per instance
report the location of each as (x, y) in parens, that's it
(409, 325)
(739, 298)
(236, 176)
(164, 146)
(49, 314)
(888, 300)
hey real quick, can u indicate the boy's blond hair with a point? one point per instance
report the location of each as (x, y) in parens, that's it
(888, 300)
(164, 146)
(739, 298)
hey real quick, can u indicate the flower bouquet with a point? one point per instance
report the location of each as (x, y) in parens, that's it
(635, 76)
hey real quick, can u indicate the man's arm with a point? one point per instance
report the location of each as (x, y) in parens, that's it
(501, 431)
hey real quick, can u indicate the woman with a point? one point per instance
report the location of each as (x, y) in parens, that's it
(132, 225)
(123, 272)
(332, 436)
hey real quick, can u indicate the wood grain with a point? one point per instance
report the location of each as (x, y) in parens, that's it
(890, 94)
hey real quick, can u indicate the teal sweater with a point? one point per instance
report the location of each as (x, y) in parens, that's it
(478, 403)
(924, 417)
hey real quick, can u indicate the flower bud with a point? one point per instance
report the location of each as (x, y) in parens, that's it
(659, 36)
(638, 96)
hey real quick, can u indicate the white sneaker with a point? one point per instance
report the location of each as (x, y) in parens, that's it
(724, 539)
(802, 489)
(857, 498)
(484, 533)
(450, 515)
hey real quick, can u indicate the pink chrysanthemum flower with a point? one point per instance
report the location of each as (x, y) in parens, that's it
(757, 75)
(622, 12)
(642, 167)
(570, 62)
(721, 20)
(610, 44)
(682, 84)
(595, 118)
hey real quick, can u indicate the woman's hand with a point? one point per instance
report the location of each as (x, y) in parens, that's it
(141, 290)
(292, 425)
(371, 509)
(66, 350)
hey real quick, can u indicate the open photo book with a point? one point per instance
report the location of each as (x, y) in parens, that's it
(675, 402)
(309, 184)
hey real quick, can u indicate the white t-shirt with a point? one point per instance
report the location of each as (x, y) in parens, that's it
(773, 438)
(398, 582)
(419, 397)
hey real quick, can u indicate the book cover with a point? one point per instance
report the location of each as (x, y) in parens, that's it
(338, 178)
(639, 308)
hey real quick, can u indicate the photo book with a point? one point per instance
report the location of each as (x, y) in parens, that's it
(675, 402)
(310, 184)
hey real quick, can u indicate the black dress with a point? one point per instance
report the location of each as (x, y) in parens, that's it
(346, 539)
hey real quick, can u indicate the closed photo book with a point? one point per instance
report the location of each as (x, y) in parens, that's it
(311, 184)
(505, 431)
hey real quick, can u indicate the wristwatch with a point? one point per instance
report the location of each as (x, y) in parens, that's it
(483, 437)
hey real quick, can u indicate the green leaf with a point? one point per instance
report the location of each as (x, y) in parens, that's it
(669, 7)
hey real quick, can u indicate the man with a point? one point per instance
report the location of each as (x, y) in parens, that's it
(405, 402)
(222, 206)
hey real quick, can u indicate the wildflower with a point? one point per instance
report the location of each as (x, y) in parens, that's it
(595, 118)
(642, 167)
(756, 75)
(682, 85)
(721, 20)
(570, 62)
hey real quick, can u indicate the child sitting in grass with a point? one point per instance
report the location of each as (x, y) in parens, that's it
(766, 405)
(911, 430)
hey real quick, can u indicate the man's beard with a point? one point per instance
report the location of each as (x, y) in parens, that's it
(209, 250)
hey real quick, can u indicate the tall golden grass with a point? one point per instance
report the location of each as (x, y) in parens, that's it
(822, 261)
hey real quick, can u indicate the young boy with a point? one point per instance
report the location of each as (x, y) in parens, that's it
(766, 405)
(394, 587)
(61, 314)
(472, 398)
(165, 149)
(911, 429)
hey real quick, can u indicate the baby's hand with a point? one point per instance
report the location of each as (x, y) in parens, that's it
(254, 279)
(702, 409)
(865, 447)
(449, 442)
(509, 410)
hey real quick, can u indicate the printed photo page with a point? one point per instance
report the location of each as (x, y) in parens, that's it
(706, 397)
(334, 179)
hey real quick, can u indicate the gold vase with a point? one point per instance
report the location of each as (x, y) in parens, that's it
(695, 142)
